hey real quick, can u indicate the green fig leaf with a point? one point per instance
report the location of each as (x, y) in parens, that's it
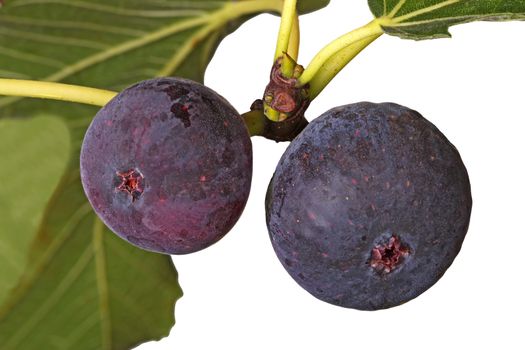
(82, 287)
(30, 172)
(430, 19)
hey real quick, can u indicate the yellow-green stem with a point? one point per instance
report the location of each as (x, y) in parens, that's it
(55, 91)
(335, 64)
(292, 53)
(371, 30)
(271, 113)
(283, 40)
(295, 39)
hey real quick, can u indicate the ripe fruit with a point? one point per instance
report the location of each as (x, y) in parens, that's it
(167, 165)
(368, 206)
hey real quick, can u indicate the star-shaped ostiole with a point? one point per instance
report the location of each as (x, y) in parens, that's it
(386, 257)
(131, 182)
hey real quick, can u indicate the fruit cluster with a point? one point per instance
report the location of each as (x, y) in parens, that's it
(367, 208)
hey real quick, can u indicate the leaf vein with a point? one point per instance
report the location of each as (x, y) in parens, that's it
(460, 19)
(183, 51)
(33, 58)
(115, 51)
(425, 10)
(114, 10)
(49, 39)
(61, 24)
(124, 256)
(102, 282)
(397, 8)
(36, 316)
(80, 330)
(29, 278)
(15, 75)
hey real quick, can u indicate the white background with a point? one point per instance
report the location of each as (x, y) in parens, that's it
(238, 296)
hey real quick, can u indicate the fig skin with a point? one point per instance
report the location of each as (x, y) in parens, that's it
(167, 165)
(368, 206)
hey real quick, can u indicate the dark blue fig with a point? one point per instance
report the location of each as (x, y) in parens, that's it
(368, 206)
